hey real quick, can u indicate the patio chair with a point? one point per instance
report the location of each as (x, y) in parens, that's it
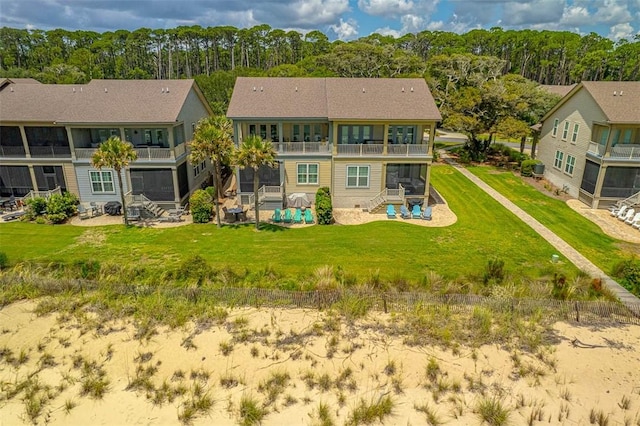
(96, 208)
(391, 211)
(228, 216)
(635, 218)
(297, 217)
(619, 210)
(628, 215)
(636, 225)
(133, 213)
(404, 212)
(287, 216)
(426, 215)
(83, 213)
(308, 216)
(276, 217)
(416, 212)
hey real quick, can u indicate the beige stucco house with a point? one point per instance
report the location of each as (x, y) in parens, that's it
(369, 140)
(49, 133)
(590, 142)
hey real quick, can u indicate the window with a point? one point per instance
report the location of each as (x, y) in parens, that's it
(308, 173)
(357, 176)
(199, 168)
(354, 134)
(554, 132)
(401, 134)
(101, 182)
(565, 131)
(569, 165)
(574, 136)
(558, 161)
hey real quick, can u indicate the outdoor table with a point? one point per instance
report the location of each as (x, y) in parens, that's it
(236, 211)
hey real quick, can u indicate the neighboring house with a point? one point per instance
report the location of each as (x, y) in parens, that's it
(364, 138)
(590, 142)
(49, 133)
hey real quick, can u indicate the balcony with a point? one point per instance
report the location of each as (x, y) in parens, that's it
(296, 148)
(618, 152)
(50, 151)
(12, 151)
(144, 153)
(378, 149)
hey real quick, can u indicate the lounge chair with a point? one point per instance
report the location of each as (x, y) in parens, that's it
(619, 210)
(426, 215)
(391, 211)
(404, 212)
(635, 218)
(416, 212)
(297, 217)
(308, 216)
(287, 216)
(83, 213)
(628, 215)
(276, 217)
(636, 225)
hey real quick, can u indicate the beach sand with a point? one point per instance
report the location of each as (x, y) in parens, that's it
(290, 361)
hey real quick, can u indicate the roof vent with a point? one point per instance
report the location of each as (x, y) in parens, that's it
(363, 91)
(254, 88)
(74, 90)
(412, 89)
(261, 89)
(162, 90)
(81, 90)
(12, 89)
(105, 90)
(296, 88)
(167, 90)
(621, 93)
(615, 93)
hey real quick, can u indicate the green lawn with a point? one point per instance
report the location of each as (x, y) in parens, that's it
(397, 249)
(575, 229)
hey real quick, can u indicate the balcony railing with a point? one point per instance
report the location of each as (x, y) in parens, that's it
(50, 151)
(144, 153)
(302, 147)
(12, 151)
(407, 150)
(400, 150)
(618, 152)
(358, 150)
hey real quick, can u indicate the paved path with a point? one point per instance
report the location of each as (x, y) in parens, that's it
(626, 297)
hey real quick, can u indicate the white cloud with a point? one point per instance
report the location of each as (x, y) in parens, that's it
(412, 23)
(386, 7)
(619, 31)
(389, 32)
(613, 12)
(575, 15)
(457, 27)
(345, 30)
(533, 12)
(318, 11)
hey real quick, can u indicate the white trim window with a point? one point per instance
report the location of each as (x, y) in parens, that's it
(199, 168)
(101, 182)
(554, 131)
(357, 176)
(565, 131)
(574, 135)
(307, 173)
(570, 164)
(558, 160)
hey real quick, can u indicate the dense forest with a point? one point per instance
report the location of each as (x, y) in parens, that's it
(479, 78)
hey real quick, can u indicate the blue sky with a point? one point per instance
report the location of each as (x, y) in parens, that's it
(339, 19)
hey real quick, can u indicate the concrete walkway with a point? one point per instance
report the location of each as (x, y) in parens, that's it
(626, 297)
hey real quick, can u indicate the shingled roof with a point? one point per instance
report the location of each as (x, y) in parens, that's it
(99, 101)
(619, 100)
(332, 99)
(558, 89)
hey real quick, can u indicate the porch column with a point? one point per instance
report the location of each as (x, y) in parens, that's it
(34, 181)
(432, 139)
(597, 192)
(385, 139)
(171, 143)
(71, 144)
(426, 184)
(280, 137)
(237, 132)
(334, 137)
(176, 186)
(25, 143)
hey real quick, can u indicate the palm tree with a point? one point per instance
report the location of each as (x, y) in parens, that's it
(115, 154)
(213, 139)
(254, 153)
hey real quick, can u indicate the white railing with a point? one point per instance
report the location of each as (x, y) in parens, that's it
(149, 153)
(50, 151)
(180, 149)
(596, 149)
(408, 149)
(83, 153)
(630, 201)
(360, 149)
(385, 195)
(302, 147)
(12, 151)
(626, 151)
(43, 194)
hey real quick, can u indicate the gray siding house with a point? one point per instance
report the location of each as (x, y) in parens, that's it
(590, 142)
(370, 140)
(50, 132)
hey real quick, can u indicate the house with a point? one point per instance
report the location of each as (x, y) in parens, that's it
(50, 132)
(590, 142)
(369, 140)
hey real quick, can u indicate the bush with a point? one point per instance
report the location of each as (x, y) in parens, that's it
(201, 206)
(61, 207)
(4, 261)
(493, 271)
(526, 168)
(36, 206)
(324, 208)
(628, 272)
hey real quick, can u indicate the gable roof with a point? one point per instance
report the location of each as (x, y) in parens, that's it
(618, 100)
(333, 99)
(558, 89)
(99, 101)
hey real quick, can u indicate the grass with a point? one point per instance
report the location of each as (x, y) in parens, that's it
(367, 413)
(492, 412)
(578, 231)
(251, 411)
(143, 251)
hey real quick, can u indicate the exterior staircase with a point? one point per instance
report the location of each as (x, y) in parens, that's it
(386, 196)
(632, 201)
(147, 207)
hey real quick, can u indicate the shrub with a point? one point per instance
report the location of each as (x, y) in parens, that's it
(61, 207)
(628, 272)
(36, 206)
(201, 206)
(526, 168)
(324, 208)
(4, 261)
(493, 270)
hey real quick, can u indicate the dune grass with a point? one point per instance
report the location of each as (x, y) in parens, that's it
(576, 230)
(388, 249)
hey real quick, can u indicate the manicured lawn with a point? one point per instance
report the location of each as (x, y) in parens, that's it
(397, 249)
(579, 232)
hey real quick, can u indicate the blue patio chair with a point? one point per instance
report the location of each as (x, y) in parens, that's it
(308, 216)
(416, 212)
(277, 216)
(297, 217)
(404, 212)
(287, 216)
(426, 215)
(391, 211)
